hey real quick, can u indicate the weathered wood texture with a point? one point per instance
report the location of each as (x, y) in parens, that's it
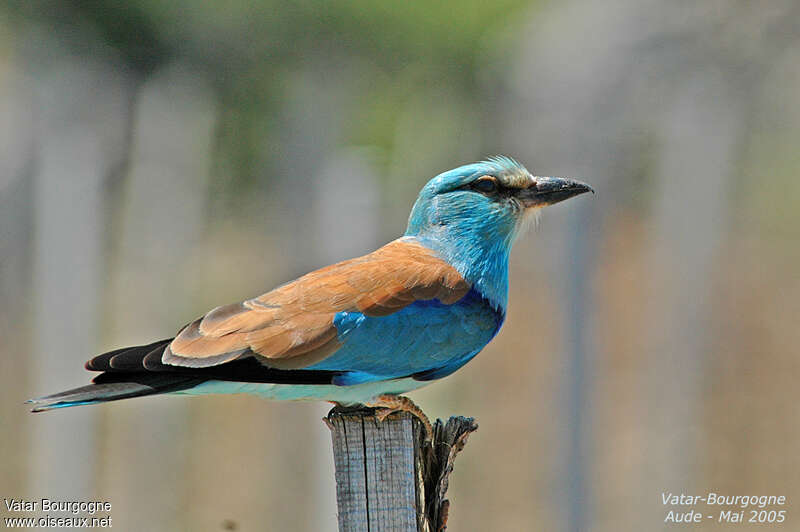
(387, 476)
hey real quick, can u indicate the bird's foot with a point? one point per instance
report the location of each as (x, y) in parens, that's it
(389, 404)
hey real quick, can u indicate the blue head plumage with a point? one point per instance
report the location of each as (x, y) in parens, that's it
(472, 214)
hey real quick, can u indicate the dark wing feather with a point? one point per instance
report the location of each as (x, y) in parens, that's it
(103, 362)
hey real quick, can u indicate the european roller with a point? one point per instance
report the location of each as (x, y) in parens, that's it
(360, 331)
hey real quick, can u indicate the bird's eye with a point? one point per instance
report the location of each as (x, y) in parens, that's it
(486, 184)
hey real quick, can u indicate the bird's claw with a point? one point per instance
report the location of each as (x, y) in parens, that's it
(383, 413)
(389, 404)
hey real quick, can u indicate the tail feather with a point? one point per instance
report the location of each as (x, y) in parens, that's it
(127, 386)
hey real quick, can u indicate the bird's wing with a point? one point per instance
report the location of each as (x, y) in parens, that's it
(292, 326)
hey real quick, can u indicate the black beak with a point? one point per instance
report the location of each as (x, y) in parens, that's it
(549, 190)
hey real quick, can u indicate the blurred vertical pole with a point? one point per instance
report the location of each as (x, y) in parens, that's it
(67, 265)
(590, 76)
(162, 219)
(576, 286)
(82, 119)
(346, 226)
(16, 214)
(555, 138)
(701, 129)
(571, 115)
(313, 234)
(347, 223)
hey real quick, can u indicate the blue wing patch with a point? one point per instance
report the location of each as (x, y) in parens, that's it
(427, 339)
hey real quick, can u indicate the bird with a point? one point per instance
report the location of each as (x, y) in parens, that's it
(362, 331)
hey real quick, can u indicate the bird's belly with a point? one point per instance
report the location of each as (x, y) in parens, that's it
(354, 394)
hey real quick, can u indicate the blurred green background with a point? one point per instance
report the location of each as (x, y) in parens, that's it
(160, 158)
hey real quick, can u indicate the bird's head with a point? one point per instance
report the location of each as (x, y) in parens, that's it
(493, 200)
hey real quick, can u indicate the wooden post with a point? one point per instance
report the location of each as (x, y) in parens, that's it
(387, 477)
